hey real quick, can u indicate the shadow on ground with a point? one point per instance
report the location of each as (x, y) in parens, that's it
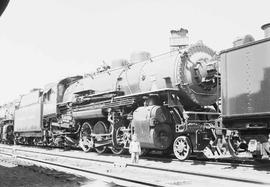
(28, 176)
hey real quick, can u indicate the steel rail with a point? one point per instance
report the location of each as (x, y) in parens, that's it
(153, 157)
(225, 162)
(196, 173)
(88, 171)
(84, 170)
(204, 161)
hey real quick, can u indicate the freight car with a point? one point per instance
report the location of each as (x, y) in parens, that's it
(245, 84)
(168, 100)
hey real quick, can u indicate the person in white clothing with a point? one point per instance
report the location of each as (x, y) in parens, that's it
(266, 148)
(134, 149)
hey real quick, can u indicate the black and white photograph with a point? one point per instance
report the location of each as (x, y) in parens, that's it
(134, 93)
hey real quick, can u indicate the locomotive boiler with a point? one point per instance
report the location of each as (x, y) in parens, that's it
(147, 96)
(168, 100)
(245, 93)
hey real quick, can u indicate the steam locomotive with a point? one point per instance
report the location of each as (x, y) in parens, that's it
(169, 101)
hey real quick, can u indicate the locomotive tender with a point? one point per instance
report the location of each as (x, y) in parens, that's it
(245, 76)
(169, 101)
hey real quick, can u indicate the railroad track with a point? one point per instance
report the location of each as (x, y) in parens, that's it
(243, 162)
(240, 161)
(153, 157)
(246, 162)
(39, 162)
(15, 151)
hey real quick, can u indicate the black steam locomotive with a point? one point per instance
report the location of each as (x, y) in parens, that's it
(169, 101)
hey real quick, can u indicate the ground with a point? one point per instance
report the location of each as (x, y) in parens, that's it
(12, 176)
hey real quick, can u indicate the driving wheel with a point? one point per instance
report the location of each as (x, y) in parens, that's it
(85, 137)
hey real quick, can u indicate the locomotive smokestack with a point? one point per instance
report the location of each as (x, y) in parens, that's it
(178, 39)
(266, 29)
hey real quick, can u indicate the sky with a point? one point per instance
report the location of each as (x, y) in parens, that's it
(42, 41)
